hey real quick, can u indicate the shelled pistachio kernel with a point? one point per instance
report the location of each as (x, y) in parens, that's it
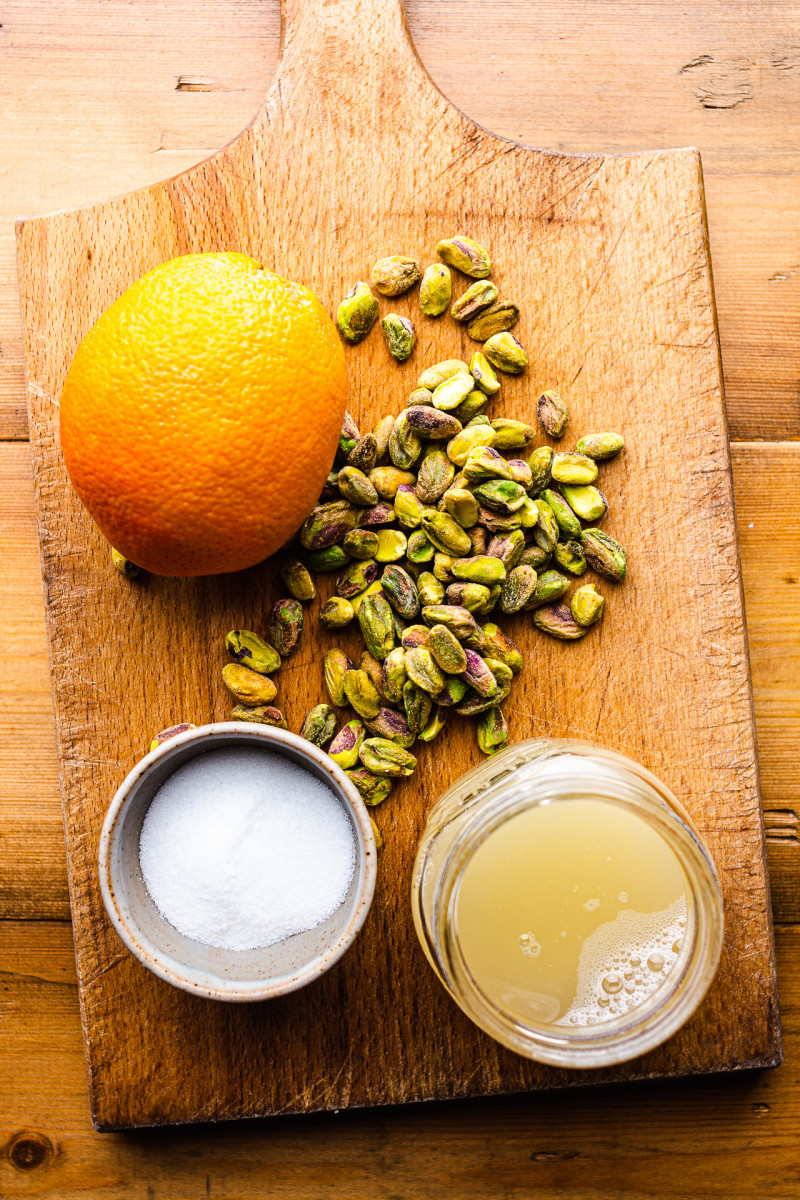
(285, 625)
(586, 605)
(604, 554)
(399, 335)
(336, 613)
(471, 438)
(252, 651)
(346, 744)
(395, 274)
(419, 549)
(492, 731)
(483, 374)
(384, 758)
(506, 353)
(361, 544)
(512, 435)
(392, 545)
(571, 467)
(387, 479)
(496, 319)
(440, 372)
(170, 732)
(357, 313)
(500, 646)
(557, 620)
(553, 414)
(585, 500)
(601, 445)
(249, 687)
(471, 407)
(466, 255)
(264, 714)
(478, 296)
(372, 788)
(298, 580)
(319, 725)
(435, 290)
(453, 391)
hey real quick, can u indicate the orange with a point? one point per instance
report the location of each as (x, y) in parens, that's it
(201, 413)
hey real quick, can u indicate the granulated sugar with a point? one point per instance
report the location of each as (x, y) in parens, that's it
(242, 848)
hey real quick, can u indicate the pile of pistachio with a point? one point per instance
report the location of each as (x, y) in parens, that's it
(436, 521)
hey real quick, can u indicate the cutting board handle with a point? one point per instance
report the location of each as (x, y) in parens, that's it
(358, 52)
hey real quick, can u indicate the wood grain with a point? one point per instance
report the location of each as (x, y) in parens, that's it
(94, 103)
(619, 311)
(728, 1137)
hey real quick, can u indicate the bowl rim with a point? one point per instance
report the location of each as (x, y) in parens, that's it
(134, 937)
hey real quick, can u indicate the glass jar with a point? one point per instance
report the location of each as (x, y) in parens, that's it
(530, 775)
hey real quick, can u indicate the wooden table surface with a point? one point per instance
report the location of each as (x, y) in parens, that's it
(101, 96)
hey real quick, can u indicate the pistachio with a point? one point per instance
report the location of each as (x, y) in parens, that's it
(541, 465)
(252, 651)
(502, 673)
(172, 731)
(484, 462)
(407, 507)
(432, 423)
(297, 580)
(442, 566)
(374, 669)
(356, 578)
(357, 313)
(386, 481)
(474, 300)
(392, 726)
(501, 495)
(570, 467)
(472, 596)
(474, 437)
(478, 536)
(445, 533)
(422, 670)
(480, 419)
(124, 566)
(600, 445)
(483, 374)
(534, 556)
(570, 557)
(471, 406)
(431, 589)
(356, 487)
(506, 353)
(604, 554)
(483, 568)
(382, 431)
(556, 619)
(452, 693)
(332, 558)
(549, 586)
(495, 592)
(335, 666)
(285, 625)
(249, 687)
(568, 524)
(345, 746)
(453, 391)
(348, 437)
(377, 625)
(528, 513)
(435, 725)
(512, 435)
(361, 544)
(508, 547)
(553, 414)
(518, 588)
(501, 647)
(361, 693)
(473, 703)
(447, 651)
(405, 446)
(376, 833)
(433, 376)
(466, 255)
(417, 705)
(501, 522)
(436, 290)
(546, 531)
(364, 454)
(478, 675)
(497, 319)
(395, 274)
(392, 546)
(327, 524)
(435, 476)
(399, 334)
(462, 506)
(372, 789)
(585, 500)
(400, 590)
(415, 635)
(319, 725)
(336, 613)
(420, 398)
(393, 675)
(586, 605)
(380, 514)
(458, 620)
(492, 731)
(419, 549)
(265, 714)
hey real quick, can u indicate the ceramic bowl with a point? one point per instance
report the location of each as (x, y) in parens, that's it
(210, 971)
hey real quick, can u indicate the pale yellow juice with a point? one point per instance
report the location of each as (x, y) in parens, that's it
(571, 913)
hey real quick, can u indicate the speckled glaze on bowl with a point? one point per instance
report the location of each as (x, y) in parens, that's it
(233, 975)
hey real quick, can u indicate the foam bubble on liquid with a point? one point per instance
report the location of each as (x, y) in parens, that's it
(624, 962)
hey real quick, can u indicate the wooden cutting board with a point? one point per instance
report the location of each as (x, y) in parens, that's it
(355, 155)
